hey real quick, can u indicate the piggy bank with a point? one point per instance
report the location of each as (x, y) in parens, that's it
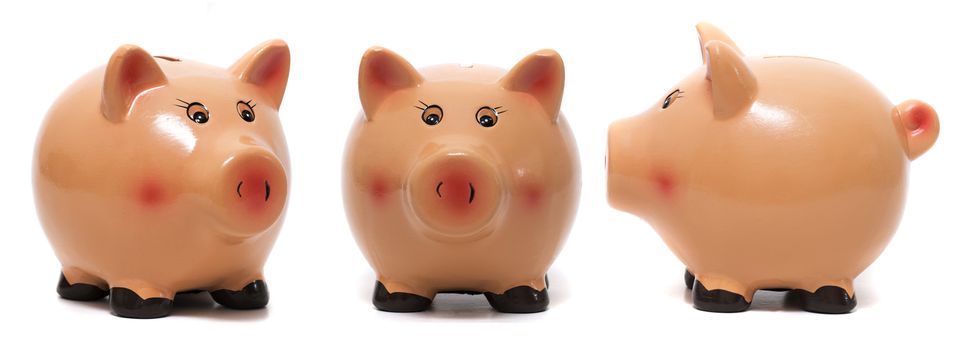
(461, 178)
(775, 172)
(156, 175)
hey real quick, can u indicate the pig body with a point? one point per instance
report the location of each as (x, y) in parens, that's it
(769, 173)
(154, 176)
(480, 201)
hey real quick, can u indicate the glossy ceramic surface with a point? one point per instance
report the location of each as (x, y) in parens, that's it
(156, 175)
(461, 178)
(771, 172)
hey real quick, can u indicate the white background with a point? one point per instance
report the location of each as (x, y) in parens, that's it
(614, 285)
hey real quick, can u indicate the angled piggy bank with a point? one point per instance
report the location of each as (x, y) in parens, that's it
(769, 173)
(461, 179)
(155, 175)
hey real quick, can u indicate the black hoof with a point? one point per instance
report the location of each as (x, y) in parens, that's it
(689, 279)
(253, 296)
(519, 300)
(79, 291)
(717, 300)
(125, 303)
(398, 302)
(826, 300)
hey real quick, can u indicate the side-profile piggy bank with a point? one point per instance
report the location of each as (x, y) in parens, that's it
(461, 178)
(773, 172)
(155, 175)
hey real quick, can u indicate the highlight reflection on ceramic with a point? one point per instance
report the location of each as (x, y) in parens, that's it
(776, 172)
(155, 176)
(461, 178)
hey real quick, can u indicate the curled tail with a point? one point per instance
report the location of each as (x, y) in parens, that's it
(920, 125)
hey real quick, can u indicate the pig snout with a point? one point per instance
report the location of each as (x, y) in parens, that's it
(455, 193)
(252, 190)
(623, 163)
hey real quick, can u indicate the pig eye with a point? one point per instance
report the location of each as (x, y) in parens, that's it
(196, 111)
(246, 110)
(674, 95)
(431, 114)
(487, 116)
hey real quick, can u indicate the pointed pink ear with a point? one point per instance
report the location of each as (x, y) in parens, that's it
(541, 75)
(267, 66)
(382, 73)
(733, 85)
(130, 72)
(708, 32)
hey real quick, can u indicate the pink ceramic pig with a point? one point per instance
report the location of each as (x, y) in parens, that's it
(769, 173)
(155, 175)
(461, 179)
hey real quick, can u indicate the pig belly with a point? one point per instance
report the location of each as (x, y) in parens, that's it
(518, 252)
(447, 274)
(745, 245)
(106, 239)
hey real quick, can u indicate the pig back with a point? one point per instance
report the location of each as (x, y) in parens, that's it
(810, 182)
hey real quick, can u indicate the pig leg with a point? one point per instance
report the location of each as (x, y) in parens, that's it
(827, 299)
(520, 300)
(399, 301)
(253, 296)
(84, 288)
(731, 299)
(129, 303)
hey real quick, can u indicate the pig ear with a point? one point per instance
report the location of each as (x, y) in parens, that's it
(382, 73)
(130, 72)
(267, 66)
(541, 75)
(733, 86)
(708, 32)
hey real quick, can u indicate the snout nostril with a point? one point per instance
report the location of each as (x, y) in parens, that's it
(267, 190)
(437, 190)
(471, 197)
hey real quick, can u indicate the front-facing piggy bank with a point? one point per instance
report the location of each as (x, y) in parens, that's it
(461, 178)
(769, 173)
(155, 175)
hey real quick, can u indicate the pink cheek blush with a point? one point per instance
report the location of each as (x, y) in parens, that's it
(379, 189)
(533, 196)
(664, 183)
(151, 194)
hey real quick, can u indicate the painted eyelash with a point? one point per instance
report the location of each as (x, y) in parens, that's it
(496, 109)
(422, 108)
(187, 104)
